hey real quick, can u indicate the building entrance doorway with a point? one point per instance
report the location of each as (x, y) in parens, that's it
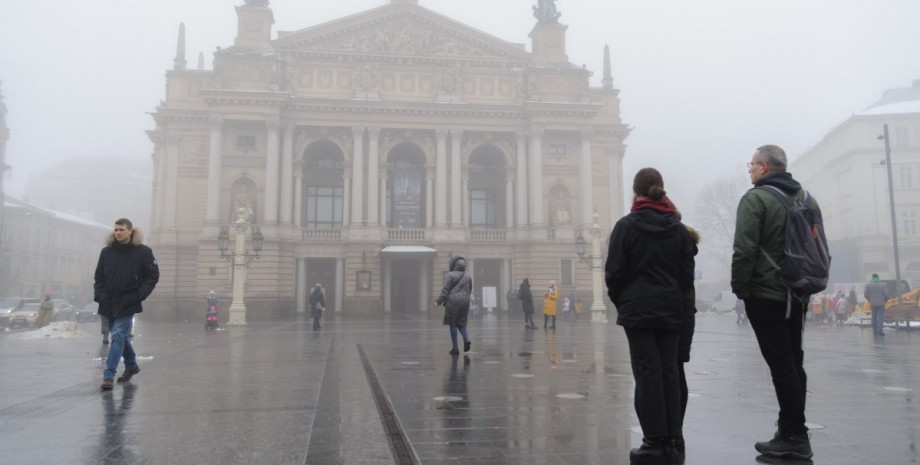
(321, 270)
(487, 273)
(405, 282)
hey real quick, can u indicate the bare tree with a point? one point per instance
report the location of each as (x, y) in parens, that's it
(716, 209)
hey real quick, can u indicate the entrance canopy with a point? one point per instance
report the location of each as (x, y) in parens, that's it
(407, 250)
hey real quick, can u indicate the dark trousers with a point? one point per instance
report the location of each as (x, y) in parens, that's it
(780, 341)
(878, 318)
(653, 355)
(683, 390)
(528, 319)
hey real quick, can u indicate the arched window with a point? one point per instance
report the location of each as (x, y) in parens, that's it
(487, 188)
(406, 187)
(324, 190)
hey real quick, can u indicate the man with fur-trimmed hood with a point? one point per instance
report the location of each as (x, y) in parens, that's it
(126, 274)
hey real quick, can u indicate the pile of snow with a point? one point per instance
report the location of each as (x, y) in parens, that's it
(56, 330)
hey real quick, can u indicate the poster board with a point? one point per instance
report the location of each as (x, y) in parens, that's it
(489, 298)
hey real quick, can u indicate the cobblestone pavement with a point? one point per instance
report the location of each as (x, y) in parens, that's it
(280, 393)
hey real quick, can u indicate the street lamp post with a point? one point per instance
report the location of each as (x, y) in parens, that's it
(894, 220)
(240, 258)
(596, 264)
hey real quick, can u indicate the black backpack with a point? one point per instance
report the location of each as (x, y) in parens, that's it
(806, 260)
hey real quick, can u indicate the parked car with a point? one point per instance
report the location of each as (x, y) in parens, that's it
(26, 314)
(87, 313)
(724, 302)
(63, 311)
(7, 305)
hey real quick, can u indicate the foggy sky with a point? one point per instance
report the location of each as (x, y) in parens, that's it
(703, 82)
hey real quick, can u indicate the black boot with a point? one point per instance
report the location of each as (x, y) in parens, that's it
(651, 452)
(791, 446)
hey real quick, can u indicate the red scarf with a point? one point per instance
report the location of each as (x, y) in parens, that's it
(664, 205)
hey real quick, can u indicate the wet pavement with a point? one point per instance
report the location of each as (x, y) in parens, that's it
(279, 393)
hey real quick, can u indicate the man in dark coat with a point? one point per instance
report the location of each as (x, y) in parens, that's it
(526, 303)
(126, 274)
(455, 297)
(317, 305)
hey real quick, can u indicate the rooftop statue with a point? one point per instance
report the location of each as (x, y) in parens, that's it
(546, 12)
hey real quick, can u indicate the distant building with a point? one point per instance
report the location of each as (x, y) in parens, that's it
(45, 250)
(372, 148)
(847, 174)
(4, 137)
(99, 189)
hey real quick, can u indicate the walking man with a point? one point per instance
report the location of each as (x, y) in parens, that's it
(876, 294)
(775, 316)
(126, 274)
(317, 305)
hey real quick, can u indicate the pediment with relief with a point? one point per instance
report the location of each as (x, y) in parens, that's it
(402, 33)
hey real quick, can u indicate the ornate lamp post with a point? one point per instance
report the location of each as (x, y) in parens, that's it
(595, 263)
(240, 258)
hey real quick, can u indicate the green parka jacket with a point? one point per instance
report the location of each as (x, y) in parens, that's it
(761, 222)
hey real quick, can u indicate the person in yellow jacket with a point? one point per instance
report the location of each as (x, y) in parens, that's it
(549, 304)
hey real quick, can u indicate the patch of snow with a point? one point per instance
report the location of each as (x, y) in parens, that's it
(56, 330)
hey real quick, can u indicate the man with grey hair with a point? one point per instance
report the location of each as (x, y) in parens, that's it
(776, 316)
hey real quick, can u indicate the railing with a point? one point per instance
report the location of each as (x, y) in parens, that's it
(321, 234)
(488, 234)
(401, 234)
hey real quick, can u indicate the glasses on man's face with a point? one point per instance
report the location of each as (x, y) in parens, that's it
(751, 164)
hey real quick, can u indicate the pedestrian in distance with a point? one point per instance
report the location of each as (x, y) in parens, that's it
(455, 297)
(317, 305)
(45, 312)
(126, 274)
(775, 314)
(566, 308)
(649, 276)
(842, 305)
(876, 293)
(526, 298)
(549, 304)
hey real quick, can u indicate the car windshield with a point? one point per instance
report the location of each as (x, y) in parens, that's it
(4, 303)
(31, 307)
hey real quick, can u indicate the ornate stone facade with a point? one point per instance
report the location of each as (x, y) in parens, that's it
(374, 147)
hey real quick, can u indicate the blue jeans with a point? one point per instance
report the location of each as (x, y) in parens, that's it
(453, 334)
(120, 346)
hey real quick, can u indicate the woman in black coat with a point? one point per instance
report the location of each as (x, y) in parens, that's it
(526, 303)
(649, 274)
(455, 297)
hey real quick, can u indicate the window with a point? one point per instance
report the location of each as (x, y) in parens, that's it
(246, 143)
(363, 280)
(483, 213)
(909, 222)
(557, 149)
(324, 207)
(565, 272)
(901, 137)
(906, 177)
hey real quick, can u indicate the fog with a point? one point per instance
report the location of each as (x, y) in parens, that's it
(702, 82)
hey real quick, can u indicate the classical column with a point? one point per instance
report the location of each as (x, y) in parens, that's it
(586, 186)
(298, 199)
(339, 284)
(161, 159)
(536, 178)
(287, 175)
(465, 193)
(357, 177)
(521, 197)
(346, 202)
(214, 171)
(272, 172)
(456, 175)
(440, 210)
(423, 298)
(509, 200)
(615, 181)
(300, 286)
(506, 284)
(387, 295)
(429, 199)
(373, 167)
(172, 181)
(382, 198)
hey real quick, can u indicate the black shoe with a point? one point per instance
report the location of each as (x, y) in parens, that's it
(651, 452)
(786, 446)
(128, 374)
(454, 351)
(466, 345)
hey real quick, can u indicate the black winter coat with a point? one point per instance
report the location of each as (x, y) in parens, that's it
(317, 297)
(649, 270)
(525, 296)
(125, 275)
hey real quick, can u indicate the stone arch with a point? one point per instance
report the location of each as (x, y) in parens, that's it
(406, 188)
(487, 173)
(560, 206)
(244, 192)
